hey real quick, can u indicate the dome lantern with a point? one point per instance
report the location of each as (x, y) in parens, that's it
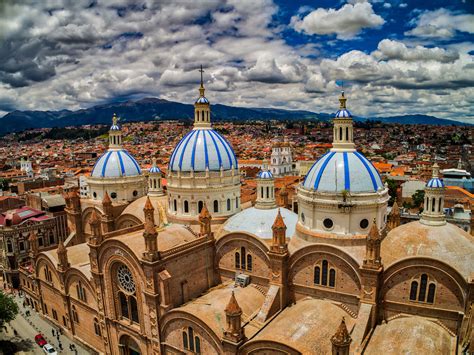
(433, 207)
(115, 134)
(154, 180)
(343, 132)
(265, 189)
(202, 108)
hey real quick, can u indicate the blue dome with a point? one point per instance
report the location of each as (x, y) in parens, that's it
(337, 171)
(201, 149)
(435, 183)
(202, 100)
(343, 113)
(115, 127)
(154, 170)
(116, 163)
(265, 174)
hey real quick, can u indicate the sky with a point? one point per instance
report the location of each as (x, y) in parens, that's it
(391, 57)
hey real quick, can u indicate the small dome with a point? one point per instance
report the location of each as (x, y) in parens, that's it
(343, 113)
(338, 171)
(203, 149)
(115, 127)
(265, 174)
(259, 222)
(154, 170)
(447, 243)
(435, 183)
(116, 163)
(202, 100)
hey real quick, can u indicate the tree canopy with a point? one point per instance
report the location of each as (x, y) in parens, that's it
(8, 309)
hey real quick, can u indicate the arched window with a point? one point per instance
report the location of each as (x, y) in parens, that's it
(237, 260)
(228, 204)
(423, 284)
(332, 278)
(216, 206)
(186, 207)
(10, 246)
(242, 257)
(317, 275)
(134, 309)
(340, 133)
(97, 330)
(236, 203)
(185, 340)
(123, 305)
(347, 133)
(175, 205)
(431, 293)
(81, 292)
(413, 290)
(197, 342)
(200, 206)
(191, 338)
(249, 262)
(127, 294)
(439, 205)
(324, 279)
(261, 192)
(433, 204)
(75, 317)
(202, 115)
(268, 192)
(51, 239)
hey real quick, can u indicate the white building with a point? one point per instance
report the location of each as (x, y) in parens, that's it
(281, 160)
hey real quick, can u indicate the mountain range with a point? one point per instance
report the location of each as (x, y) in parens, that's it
(149, 109)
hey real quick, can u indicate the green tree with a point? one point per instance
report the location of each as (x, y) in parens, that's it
(3, 184)
(417, 199)
(392, 191)
(8, 309)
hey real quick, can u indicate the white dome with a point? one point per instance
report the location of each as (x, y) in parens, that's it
(116, 163)
(338, 171)
(203, 149)
(259, 222)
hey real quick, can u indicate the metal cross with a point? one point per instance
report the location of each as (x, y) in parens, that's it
(202, 71)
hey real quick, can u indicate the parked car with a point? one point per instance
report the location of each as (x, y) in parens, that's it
(48, 349)
(40, 340)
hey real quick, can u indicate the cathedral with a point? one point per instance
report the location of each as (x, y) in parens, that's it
(190, 271)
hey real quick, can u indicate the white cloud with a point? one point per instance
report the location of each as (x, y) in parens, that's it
(390, 49)
(441, 23)
(345, 22)
(403, 5)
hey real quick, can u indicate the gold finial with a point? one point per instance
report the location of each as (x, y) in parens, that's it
(114, 120)
(342, 100)
(435, 170)
(201, 89)
(153, 160)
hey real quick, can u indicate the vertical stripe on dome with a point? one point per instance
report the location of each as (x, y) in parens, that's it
(347, 178)
(184, 149)
(193, 153)
(232, 150)
(97, 163)
(372, 177)
(122, 168)
(105, 163)
(313, 169)
(321, 170)
(171, 163)
(231, 163)
(206, 153)
(217, 148)
(133, 160)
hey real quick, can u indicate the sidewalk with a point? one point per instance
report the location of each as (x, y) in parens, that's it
(40, 325)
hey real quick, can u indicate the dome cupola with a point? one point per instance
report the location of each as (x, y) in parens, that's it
(265, 189)
(433, 207)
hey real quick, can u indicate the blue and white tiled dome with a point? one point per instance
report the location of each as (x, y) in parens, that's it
(115, 127)
(116, 163)
(338, 171)
(203, 149)
(265, 174)
(154, 170)
(202, 100)
(435, 183)
(343, 113)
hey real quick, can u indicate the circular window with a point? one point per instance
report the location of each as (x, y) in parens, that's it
(302, 217)
(364, 223)
(94, 194)
(113, 195)
(135, 192)
(328, 223)
(125, 279)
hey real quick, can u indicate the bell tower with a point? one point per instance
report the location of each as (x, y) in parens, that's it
(433, 208)
(202, 108)
(343, 131)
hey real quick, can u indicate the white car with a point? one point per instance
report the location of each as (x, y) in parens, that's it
(48, 349)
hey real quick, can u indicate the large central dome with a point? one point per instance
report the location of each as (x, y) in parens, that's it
(338, 171)
(203, 149)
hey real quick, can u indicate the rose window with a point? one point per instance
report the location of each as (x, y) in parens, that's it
(125, 279)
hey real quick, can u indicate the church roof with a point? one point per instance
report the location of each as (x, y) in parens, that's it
(338, 171)
(116, 163)
(203, 149)
(265, 174)
(435, 183)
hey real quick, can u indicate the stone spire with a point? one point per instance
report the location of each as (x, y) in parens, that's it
(149, 211)
(63, 262)
(33, 240)
(150, 234)
(234, 331)
(394, 217)
(433, 207)
(279, 235)
(343, 139)
(341, 340)
(205, 219)
(96, 230)
(202, 109)
(372, 250)
(108, 222)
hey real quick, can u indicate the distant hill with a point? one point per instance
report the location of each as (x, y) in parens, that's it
(149, 109)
